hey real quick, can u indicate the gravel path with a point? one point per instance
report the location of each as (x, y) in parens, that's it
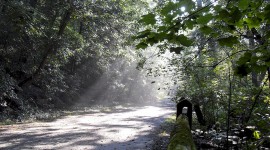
(123, 128)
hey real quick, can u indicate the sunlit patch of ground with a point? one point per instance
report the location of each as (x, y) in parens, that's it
(104, 129)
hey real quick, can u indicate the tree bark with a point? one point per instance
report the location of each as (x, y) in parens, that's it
(199, 114)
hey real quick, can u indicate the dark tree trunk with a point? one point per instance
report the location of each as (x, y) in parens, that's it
(199, 114)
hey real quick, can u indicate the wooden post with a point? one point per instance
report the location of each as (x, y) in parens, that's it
(180, 106)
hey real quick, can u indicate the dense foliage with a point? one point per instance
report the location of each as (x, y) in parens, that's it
(51, 51)
(221, 56)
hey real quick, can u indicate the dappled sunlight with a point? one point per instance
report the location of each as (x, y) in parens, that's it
(126, 127)
(120, 111)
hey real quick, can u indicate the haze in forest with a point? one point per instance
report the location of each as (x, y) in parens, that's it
(125, 83)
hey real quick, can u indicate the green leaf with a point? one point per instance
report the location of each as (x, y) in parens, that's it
(252, 22)
(148, 19)
(229, 41)
(254, 59)
(143, 34)
(267, 13)
(142, 45)
(259, 68)
(168, 19)
(223, 14)
(169, 37)
(206, 30)
(162, 28)
(243, 4)
(189, 24)
(244, 58)
(162, 36)
(167, 8)
(204, 19)
(152, 41)
(217, 8)
(177, 50)
(267, 64)
(236, 15)
(183, 40)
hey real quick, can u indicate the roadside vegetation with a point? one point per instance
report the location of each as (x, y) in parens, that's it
(220, 61)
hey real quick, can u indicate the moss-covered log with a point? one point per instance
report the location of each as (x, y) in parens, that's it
(181, 137)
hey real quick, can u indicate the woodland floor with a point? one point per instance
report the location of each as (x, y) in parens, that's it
(117, 128)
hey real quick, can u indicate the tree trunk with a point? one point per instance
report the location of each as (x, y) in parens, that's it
(256, 79)
(199, 114)
(30, 79)
(81, 28)
(64, 22)
(52, 46)
(267, 27)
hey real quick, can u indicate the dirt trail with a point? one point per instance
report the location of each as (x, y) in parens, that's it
(129, 128)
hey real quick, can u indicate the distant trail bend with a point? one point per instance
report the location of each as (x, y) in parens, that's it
(125, 128)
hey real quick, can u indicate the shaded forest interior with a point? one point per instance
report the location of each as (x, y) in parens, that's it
(51, 52)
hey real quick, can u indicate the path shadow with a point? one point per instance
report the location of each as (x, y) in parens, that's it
(83, 136)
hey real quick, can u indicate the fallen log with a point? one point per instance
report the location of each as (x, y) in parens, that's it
(181, 137)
